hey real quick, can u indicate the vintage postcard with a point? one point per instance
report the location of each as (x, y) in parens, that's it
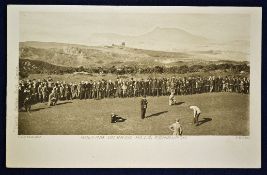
(117, 86)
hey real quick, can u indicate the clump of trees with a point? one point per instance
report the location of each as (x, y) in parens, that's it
(39, 67)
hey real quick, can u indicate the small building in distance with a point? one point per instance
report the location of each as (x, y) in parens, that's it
(120, 46)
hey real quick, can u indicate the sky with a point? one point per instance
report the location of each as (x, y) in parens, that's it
(77, 27)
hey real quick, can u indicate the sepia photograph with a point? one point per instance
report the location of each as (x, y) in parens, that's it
(133, 74)
(89, 82)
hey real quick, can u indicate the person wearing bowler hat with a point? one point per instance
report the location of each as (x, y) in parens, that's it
(143, 106)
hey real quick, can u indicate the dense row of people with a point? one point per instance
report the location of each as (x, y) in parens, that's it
(40, 91)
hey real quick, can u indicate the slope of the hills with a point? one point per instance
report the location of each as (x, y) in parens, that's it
(36, 66)
(76, 55)
(93, 56)
(158, 39)
(169, 39)
(173, 35)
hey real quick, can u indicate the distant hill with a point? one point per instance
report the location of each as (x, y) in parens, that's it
(87, 56)
(48, 45)
(169, 39)
(158, 39)
(73, 55)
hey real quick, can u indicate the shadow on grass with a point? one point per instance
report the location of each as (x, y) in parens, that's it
(179, 103)
(156, 114)
(37, 109)
(204, 120)
(62, 103)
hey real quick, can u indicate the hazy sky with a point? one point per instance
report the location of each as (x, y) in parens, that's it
(76, 27)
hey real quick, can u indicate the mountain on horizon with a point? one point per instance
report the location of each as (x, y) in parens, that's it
(168, 39)
(173, 34)
(165, 39)
(74, 55)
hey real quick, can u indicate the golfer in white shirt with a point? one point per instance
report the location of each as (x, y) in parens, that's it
(172, 100)
(197, 112)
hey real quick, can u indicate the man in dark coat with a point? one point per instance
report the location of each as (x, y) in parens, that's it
(81, 90)
(143, 107)
(27, 101)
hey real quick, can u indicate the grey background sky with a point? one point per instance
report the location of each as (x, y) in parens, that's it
(76, 27)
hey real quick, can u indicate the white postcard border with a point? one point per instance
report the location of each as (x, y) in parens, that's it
(133, 151)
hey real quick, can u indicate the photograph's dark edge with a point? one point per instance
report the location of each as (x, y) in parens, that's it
(128, 171)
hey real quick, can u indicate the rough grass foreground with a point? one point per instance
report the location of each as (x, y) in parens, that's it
(222, 114)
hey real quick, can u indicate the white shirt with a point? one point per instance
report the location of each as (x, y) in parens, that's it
(172, 99)
(196, 109)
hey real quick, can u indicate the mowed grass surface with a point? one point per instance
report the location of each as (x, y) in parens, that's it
(225, 113)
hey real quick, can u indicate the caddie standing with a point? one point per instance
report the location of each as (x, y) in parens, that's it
(176, 128)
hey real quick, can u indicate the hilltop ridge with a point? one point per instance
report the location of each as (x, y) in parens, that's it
(81, 55)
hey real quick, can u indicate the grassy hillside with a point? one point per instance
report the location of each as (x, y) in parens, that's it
(37, 67)
(105, 56)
